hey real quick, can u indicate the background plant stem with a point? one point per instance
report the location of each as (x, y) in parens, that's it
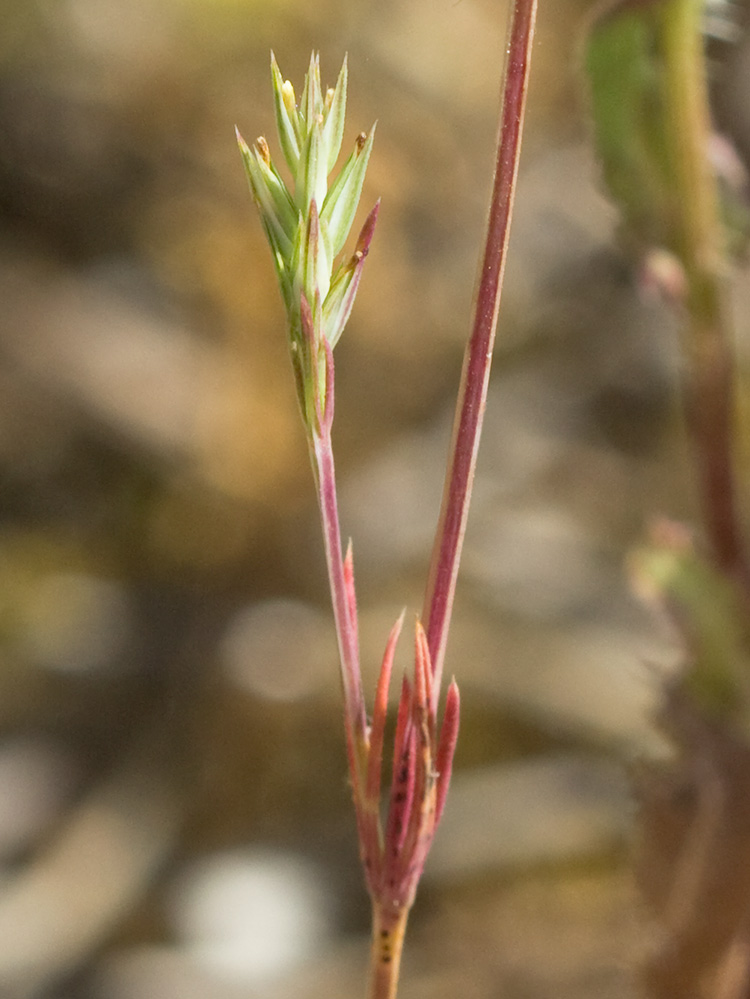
(710, 389)
(472, 396)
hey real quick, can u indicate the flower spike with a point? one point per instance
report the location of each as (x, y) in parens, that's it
(307, 222)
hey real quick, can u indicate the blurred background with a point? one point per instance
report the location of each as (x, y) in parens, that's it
(174, 814)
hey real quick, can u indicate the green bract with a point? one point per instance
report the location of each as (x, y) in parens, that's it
(307, 221)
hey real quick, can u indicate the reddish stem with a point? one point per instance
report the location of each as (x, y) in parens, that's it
(467, 428)
(341, 583)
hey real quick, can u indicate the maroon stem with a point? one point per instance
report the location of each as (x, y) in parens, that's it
(446, 554)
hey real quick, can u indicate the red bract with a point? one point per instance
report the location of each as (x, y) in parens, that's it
(394, 858)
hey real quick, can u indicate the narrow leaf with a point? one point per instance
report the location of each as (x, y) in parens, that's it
(380, 713)
(403, 719)
(422, 677)
(401, 800)
(351, 594)
(324, 411)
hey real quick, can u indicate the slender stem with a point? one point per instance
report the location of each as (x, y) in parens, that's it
(388, 931)
(710, 361)
(343, 612)
(467, 427)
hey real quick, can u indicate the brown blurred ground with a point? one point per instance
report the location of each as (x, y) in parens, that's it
(171, 768)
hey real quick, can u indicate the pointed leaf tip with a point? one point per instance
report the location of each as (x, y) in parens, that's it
(287, 121)
(368, 230)
(339, 302)
(335, 113)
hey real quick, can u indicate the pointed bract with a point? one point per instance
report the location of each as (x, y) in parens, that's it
(325, 417)
(287, 124)
(270, 195)
(380, 712)
(315, 265)
(311, 101)
(399, 809)
(351, 593)
(340, 205)
(311, 180)
(333, 130)
(343, 291)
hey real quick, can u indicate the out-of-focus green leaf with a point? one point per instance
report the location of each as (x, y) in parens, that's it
(709, 614)
(626, 62)
(625, 68)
